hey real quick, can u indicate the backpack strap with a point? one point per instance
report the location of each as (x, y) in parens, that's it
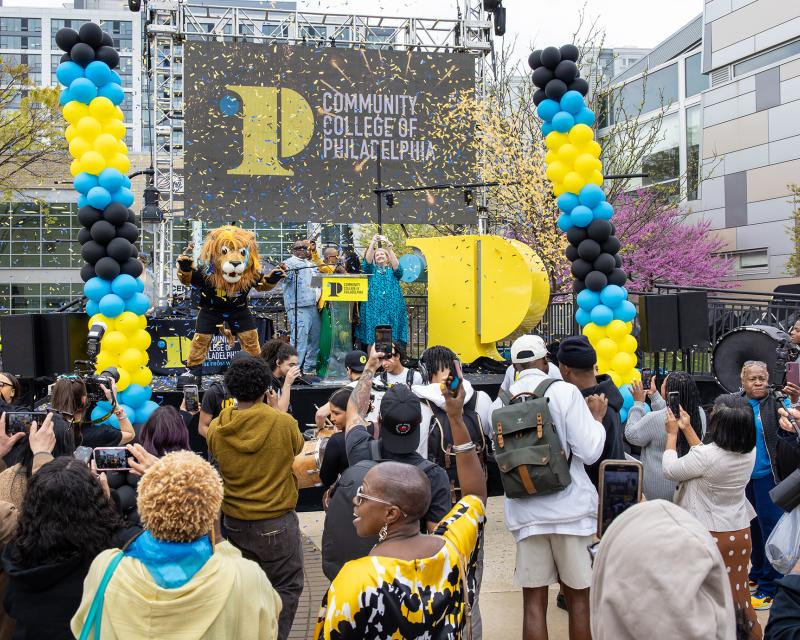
(543, 386)
(375, 450)
(504, 397)
(409, 378)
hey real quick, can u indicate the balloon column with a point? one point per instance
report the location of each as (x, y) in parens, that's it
(574, 167)
(90, 99)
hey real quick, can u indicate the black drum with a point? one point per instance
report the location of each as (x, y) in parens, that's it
(755, 342)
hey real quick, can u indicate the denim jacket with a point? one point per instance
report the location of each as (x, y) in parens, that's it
(306, 294)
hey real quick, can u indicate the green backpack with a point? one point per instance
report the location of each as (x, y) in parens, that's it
(527, 447)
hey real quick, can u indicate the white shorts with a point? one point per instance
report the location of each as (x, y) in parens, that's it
(545, 559)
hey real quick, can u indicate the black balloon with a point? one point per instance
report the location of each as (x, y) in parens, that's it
(555, 89)
(129, 231)
(580, 85)
(87, 272)
(613, 229)
(580, 268)
(599, 230)
(618, 260)
(134, 251)
(65, 58)
(567, 71)
(569, 52)
(87, 216)
(611, 245)
(588, 249)
(131, 216)
(119, 249)
(108, 55)
(116, 214)
(132, 268)
(535, 59)
(538, 96)
(618, 277)
(108, 40)
(91, 34)
(596, 281)
(571, 253)
(82, 53)
(576, 235)
(542, 76)
(92, 251)
(126, 495)
(107, 268)
(84, 235)
(578, 286)
(550, 57)
(67, 38)
(604, 263)
(103, 232)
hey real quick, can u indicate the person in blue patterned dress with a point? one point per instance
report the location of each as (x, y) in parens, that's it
(386, 304)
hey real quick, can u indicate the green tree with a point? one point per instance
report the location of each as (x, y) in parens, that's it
(793, 263)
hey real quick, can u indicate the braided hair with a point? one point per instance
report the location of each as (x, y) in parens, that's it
(438, 358)
(684, 384)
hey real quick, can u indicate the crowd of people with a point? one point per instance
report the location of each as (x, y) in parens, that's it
(209, 545)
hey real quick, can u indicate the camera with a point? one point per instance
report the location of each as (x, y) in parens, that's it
(786, 495)
(93, 339)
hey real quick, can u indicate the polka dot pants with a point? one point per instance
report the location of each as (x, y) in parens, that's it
(735, 547)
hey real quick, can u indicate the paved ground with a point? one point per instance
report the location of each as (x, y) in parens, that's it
(501, 601)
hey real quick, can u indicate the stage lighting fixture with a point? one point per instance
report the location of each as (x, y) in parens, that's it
(491, 5)
(468, 197)
(390, 201)
(500, 21)
(151, 211)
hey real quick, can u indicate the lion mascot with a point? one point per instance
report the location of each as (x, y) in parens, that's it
(233, 267)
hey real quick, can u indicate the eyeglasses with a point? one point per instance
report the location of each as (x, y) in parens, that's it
(5, 384)
(361, 496)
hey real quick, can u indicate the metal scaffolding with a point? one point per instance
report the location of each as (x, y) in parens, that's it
(170, 23)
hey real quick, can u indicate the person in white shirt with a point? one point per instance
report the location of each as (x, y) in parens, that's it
(511, 375)
(553, 532)
(354, 363)
(393, 371)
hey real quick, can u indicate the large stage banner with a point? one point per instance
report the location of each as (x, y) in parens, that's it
(294, 133)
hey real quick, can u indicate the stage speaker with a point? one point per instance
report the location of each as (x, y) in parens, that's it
(64, 338)
(22, 351)
(754, 342)
(658, 316)
(693, 319)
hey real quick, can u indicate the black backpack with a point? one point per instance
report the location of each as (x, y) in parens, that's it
(440, 442)
(340, 542)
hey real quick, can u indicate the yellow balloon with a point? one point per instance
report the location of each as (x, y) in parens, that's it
(102, 108)
(555, 139)
(122, 147)
(581, 134)
(119, 162)
(106, 144)
(132, 359)
(616, 329)
(70, 132)
(606, 349)
(627, 344)
(124, 380)
(594, 148)
(115, 128)
(635, 376)
(142, 322)
(140, 340)
(616, 378)
(75, 167)
(556, 171)
(596, 178)
(574, 182)
(550, 157)
(99, 317)
(105, 360)
(584, 164)
(78, 146)
(594, 332)
(567, 154)
(118, 114)
(603, 365)
(127, 322)
(93, 162)
(74, 111)
(89, 127)
(558, 189)
(115, 342)
(142, 377)
(623, 362)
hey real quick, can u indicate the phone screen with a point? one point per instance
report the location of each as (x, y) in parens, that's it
(793, 373)
(647, 374)
(192, 397)
(20, 421)
(674, 401)
(621, 489)
(457, 376)
(111, 459)
(383, 338)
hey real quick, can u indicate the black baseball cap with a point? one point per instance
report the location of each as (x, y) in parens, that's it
(401, 415)
(355, 360)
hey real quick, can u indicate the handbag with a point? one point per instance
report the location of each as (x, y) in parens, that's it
(95, 616)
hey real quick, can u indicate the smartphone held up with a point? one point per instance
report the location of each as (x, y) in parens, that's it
(383, 339)
(111, 459)
(20, 421)
(620, 488)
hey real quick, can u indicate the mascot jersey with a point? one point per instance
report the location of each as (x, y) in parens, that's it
(217, 306)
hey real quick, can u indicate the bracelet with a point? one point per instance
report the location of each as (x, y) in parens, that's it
(463, 448)
(119, 412)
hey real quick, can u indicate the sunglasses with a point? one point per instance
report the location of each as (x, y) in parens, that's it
(361, 496)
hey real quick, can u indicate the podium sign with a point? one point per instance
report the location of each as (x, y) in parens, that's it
(344, 288)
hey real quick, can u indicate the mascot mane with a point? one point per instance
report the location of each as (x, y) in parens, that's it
(234, 238)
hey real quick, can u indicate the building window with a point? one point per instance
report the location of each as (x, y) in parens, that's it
(121, 31)
(693, 134)
(20, 33)
(767, 58)
(656, 90)
(32, 62)
(696, 80)
(663, 162)
(750, 261)
(313, 32)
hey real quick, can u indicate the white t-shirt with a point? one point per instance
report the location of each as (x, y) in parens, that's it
(552, 371)
(399, 378)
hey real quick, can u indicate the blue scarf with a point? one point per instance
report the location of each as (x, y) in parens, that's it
(171, 564)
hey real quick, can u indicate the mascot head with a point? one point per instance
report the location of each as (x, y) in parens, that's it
(232, 256)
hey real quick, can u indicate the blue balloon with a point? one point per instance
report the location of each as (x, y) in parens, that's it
(138, 303)
(92, 308)
(68, 71)
(123, 195)
(98, 197)
(626, 311)
(126, 181)
(82, 201)
(112, 305)
(139, 285)
(99, 73)
(105, 405)
(572, 102)
(547, 109)
(64, 97)
(627, 396)
(99, 411)
(145, 411)
(564, 222)
(591, 195)
(567, 202)
(83, 90)
(547, 129)
(583, 317)
(613, 295)
(84, 182)
(581, 216)
(588, 299)
(111, 179)
(95, 288)
(113, 92)
(603, 211)
(563, 122)
(115, 77)
(602, 315)
(585, 116)
(623, 415)
(124, 286)
(135, 395)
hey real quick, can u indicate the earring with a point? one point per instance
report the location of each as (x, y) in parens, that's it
(383, 533)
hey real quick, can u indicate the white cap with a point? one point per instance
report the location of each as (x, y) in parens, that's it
(528, 348)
